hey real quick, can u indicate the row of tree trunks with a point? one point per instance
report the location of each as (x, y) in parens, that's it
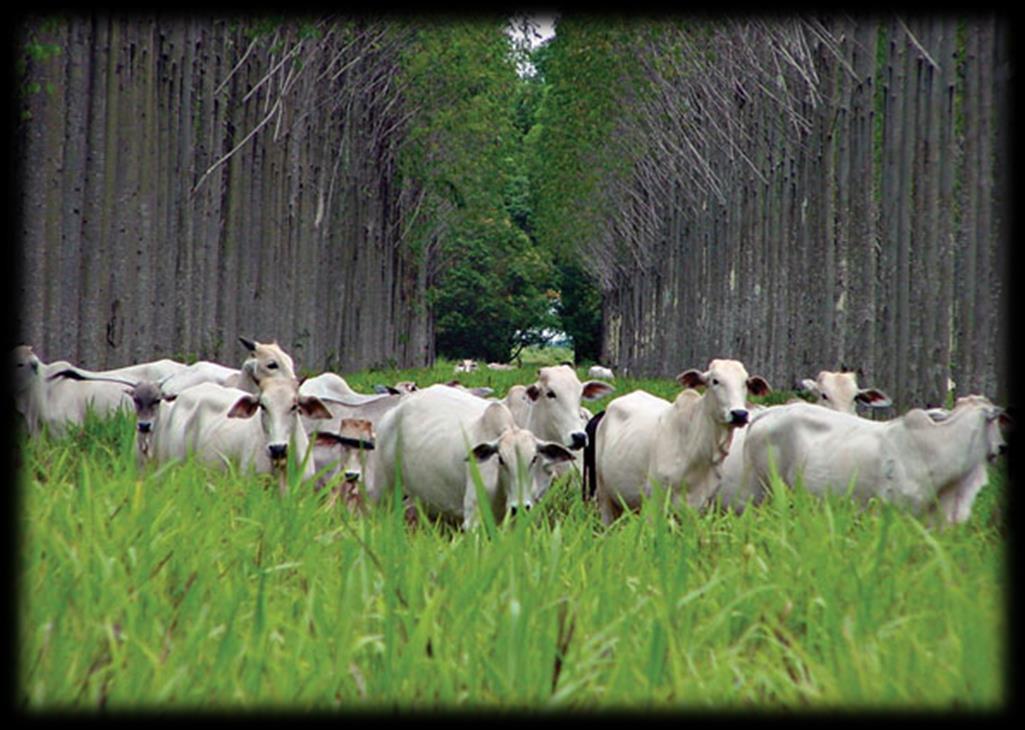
(863, 226)
(187, 181)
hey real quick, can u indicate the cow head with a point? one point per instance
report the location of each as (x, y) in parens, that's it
(279, 404)
(727, 385)
(840, 392)
(266, 360)
(354, 439)
(26, 368)
(517, 468)
(555, 413)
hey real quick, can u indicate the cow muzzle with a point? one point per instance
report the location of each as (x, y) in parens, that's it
(578, 440)
(145, 426)
(514, 509)
(738, 417)
(278, 453)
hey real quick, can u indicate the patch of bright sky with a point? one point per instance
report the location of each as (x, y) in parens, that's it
(542, 29)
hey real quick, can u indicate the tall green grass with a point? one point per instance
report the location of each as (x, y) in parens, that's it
(186, 587)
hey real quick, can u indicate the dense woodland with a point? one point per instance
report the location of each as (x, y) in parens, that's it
(798, 193)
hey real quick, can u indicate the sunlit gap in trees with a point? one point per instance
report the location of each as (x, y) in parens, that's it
(527, 32)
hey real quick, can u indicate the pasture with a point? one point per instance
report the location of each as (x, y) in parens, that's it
(182, 587)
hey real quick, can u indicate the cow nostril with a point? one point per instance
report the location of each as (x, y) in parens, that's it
(145, 427)
(351, 476)
(738, 416)
(578, 440)
(277, 451)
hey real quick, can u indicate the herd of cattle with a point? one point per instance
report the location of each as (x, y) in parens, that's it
(708, 447)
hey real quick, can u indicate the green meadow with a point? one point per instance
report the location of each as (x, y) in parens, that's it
(184, 587)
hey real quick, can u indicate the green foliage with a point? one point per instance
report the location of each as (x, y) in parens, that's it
(492, 291)
(183, 587)
(579, 311)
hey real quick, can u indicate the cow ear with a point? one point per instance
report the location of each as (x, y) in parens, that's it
(595, 389)
(533, 392)
(244, 407)
(873, 397)
(757, 385)
(247, 343)
(1005, 419)
(484, 451)
(809, 385)
(554, 453)
(937, 414)
(691, 378)
(313, 407)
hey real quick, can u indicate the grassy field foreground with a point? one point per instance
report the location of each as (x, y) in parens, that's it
(184, 587)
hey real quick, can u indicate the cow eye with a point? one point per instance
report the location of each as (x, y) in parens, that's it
(551, 393)
(715, 381)
(272, 365)
(825, 397)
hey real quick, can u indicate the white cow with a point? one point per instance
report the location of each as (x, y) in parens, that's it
(837, 391)
(500, 366)
(217, 424)
(56, 404)
(466, 366)
(923, 461)
(428, 441)
(550, 408)
(643, 439)
(840, 392)
(150, 403)
(598, 371)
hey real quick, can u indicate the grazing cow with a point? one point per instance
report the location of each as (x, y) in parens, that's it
(57, 403)
(217, 424)
(430, 438)
(500, 366)
(597, 371)
(840, 392)
(925, 461)
(466, 366)
(643, 439)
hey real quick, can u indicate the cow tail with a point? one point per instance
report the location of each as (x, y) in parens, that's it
(590, 480)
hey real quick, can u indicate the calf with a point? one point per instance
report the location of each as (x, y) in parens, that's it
(345, 453)
(597, 371)
(643, 439)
